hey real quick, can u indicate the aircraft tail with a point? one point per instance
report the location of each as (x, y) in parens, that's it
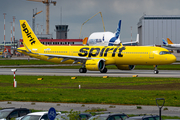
(137, 38)
(169, 41)
(164, 42)
(117, 33)
(29, 38)
(85, 41)
(117, 36)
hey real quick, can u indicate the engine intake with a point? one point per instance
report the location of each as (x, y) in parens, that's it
(125, 67)
(95, 64)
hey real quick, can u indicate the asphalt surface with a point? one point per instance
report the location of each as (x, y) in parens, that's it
(127, 109)
(75, 72)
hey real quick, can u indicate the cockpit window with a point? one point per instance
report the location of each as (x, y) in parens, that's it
(164, 52)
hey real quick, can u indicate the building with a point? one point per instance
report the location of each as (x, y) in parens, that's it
(152, 28)
(61, 31)
(64, 42)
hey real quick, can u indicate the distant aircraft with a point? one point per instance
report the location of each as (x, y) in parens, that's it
(108, 38)
(170, 45)
(94, 58)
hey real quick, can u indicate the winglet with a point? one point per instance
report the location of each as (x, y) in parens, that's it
(169, 41)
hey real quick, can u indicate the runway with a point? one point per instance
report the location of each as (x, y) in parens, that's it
(75, 72)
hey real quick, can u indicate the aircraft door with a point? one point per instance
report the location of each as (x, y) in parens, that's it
(71, 52)
(151, 54)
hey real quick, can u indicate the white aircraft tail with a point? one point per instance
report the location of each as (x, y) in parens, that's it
(116, 38)
(137, 38)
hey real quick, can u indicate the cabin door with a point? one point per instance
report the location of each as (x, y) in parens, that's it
(151, 54)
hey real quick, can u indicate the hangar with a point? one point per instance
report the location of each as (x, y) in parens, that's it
(152, 28)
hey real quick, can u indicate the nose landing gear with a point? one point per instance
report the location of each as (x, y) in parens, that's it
(155, 69)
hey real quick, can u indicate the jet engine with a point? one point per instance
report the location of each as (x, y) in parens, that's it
(125, 67)
(95, 64)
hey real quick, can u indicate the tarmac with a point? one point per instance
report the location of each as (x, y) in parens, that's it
(127, 109)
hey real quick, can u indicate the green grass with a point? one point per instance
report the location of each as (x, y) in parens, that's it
(24, 62)
(126, 91)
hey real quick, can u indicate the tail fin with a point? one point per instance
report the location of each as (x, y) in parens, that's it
(137, 38)
(85, 41)
(169, 41)
(29, 38)
(117, 35)
(164, 42)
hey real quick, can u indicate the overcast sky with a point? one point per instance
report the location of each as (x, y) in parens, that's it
(75, 12)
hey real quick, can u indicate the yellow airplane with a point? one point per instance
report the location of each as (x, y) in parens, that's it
(94, 58)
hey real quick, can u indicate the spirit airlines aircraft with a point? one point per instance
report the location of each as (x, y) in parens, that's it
(108, 38)
(94, 58)
(170, 44)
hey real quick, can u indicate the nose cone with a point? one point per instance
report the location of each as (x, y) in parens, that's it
(172, 59)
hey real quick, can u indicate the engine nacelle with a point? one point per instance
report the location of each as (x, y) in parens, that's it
(125, 67)
(95, 64)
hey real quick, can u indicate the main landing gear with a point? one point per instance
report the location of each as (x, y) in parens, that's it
(103, 70)
(82, 70)
(156, 70)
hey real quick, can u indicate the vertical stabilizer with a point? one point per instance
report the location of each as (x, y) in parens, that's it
(164, 42)
(117, 36)
(85, 41)
(169, 41)
(29, 38)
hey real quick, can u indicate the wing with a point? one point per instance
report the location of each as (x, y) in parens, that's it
(67, 57)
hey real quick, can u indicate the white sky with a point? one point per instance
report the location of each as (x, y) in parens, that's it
(75, 12)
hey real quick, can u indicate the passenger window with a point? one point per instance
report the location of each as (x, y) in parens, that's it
(151, 118)
(23, 112)
(111, 118)
(117, 117)
(14, 114)
(124, 117)
(45, 117)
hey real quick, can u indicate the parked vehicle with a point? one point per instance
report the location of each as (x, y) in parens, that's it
(40, 116)
(84, 116)
(109, 117)
(145, 117)
(9, 113)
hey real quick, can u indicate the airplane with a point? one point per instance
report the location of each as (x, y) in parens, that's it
(108, 38)
(170, 45)
(94, 58)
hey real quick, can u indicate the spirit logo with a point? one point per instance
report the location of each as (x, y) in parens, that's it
(28, 34)
(93, 52)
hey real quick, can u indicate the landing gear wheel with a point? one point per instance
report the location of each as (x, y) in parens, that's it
(156, 71)
(82, 70)
(104, 70)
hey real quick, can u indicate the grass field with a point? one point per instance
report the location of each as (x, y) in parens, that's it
(125, 91)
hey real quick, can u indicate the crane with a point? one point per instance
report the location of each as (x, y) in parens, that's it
(91, 18)
(33, 20)
(47, 2)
